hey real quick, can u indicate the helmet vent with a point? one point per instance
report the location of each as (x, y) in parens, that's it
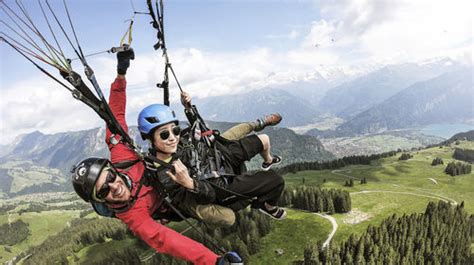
(82, 171)
(152, 119)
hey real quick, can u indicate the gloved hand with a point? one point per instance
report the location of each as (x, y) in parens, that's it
(230, 258)
(123, 60)
(186, 99)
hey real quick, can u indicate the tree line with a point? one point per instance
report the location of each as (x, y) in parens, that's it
(441, 235)
(464, 154)
(39, 207)
(457, 168)
(334, 164)
(405, 156)
(437, 161)
(14, 233)
(244, 237)
(315, 199)
(80, 233)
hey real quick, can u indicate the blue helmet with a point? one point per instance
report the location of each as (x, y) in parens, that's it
(153, 117)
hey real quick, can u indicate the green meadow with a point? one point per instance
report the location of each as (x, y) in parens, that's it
(299, 228)
(393, 187)
(41, 226)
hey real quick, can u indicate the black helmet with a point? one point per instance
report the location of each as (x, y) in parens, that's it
(85, 175)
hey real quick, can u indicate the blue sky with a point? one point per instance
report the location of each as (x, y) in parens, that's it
(223, 26)
(223, 47)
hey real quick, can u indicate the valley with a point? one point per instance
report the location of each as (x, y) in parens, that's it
(393, 187)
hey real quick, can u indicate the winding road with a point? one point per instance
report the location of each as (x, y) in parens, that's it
(432, 196)
(334, 227)
(426, 195)
(429, 194)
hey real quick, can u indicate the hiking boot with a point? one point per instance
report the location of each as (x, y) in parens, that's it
(267, 120)
(276, 212)
(275, 161)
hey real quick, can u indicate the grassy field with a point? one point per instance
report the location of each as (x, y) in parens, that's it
(393, 187)
(25, 174)
(375, 144)
(41, 225)
(98, 252)
(300, 228)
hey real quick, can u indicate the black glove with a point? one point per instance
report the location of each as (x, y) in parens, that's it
(123, 60)
(230, 258)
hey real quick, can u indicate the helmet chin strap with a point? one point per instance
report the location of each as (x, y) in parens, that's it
(154, 148)
(159, 151)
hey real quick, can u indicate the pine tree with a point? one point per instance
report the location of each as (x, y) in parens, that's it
(319, 204)
(239, 247)
(311, 255)
(330, 208)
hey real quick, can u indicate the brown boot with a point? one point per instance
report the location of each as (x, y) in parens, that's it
(267, 120)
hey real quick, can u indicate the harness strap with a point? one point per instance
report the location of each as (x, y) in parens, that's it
(207, 133)
(159, 187)
(149, 160)
(234, 194)
(126, 164)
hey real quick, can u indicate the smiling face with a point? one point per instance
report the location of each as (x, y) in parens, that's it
(119, 191)
(169, 145)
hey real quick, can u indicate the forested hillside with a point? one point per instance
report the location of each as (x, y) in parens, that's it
(441, 235)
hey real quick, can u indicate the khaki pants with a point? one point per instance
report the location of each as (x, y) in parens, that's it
(238, 131)
(211, 214)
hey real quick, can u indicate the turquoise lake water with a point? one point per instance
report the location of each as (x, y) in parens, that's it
(446, 130)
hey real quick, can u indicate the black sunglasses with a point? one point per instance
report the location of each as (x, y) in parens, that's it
(164, 135)
(105, 189)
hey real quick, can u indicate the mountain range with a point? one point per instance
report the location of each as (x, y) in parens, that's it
(387, 99)
(447, 98)
(58, 152)
(308, 102)
(351, 98)
(252, 105)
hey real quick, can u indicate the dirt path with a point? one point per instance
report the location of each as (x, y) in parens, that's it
(334, 227)
(434, 180)
(338, 172)
(419, 194)
(432, 196)
(427, 193)
(444, 198)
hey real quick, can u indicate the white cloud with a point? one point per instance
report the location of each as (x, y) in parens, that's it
(375, 31)
(41, 104)
(350, 36)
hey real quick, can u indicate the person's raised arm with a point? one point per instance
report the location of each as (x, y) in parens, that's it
(117, 103)
(188, 107)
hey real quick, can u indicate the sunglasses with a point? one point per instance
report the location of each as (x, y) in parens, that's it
(164, 135)
(105, 189)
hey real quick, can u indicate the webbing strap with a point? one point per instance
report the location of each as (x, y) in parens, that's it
(207, 133)
(129, 33)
